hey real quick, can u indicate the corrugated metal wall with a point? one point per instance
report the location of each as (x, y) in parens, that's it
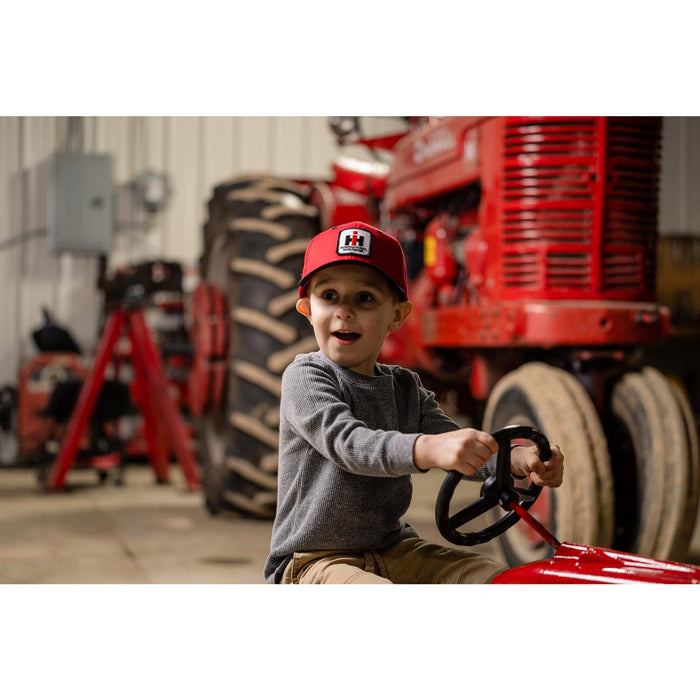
(196, 153)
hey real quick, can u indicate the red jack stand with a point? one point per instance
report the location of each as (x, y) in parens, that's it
(162, 421)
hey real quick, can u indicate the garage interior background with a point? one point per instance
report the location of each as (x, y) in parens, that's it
(195, 154)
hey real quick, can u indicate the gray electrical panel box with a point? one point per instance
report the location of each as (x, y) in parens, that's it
(80, 203)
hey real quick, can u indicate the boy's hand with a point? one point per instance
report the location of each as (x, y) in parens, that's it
(463, 450)
(525, 461)
(466, 450)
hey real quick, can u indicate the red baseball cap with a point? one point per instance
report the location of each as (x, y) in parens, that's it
(356, 242)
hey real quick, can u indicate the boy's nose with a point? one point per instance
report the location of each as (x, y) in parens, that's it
(344, 310)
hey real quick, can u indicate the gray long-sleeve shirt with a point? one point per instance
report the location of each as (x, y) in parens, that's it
(346, 457)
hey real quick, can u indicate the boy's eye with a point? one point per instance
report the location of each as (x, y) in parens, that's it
(331, 295)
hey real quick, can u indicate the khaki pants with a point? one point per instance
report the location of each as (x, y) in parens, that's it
(410, 561)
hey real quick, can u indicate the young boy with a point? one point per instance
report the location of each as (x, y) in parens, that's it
(352, 432)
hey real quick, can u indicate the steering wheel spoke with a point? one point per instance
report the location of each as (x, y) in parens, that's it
(496, 491)
(479, 507)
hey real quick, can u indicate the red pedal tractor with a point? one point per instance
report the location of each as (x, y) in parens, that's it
(571, 563)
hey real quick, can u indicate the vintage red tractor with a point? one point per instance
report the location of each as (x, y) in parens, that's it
(531, 251)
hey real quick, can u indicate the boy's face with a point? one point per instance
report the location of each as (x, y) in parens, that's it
(352, 308)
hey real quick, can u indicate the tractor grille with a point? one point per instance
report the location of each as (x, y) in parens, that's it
(567, 270)
(549, 225)
(521, 270)
(623, 270)
(524, 270)
(630, 214)
(568, 227)
(547, 188)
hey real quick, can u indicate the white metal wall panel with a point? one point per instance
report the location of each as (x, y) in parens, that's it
(9, 165)
(36, 284)
(320, 145)
(183, 215)
(679, 204)
(288, 146)
(10, 207)
(253, 147)
(694, 177)
(137, 146)
(10, 203)
(692, 181)
(218, 151)
(9, 348)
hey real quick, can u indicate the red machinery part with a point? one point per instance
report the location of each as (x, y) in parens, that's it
(361, 182)
(338, 205)
(37, 380)
(439, 261)
(575, 563)
(209, 332)
(164, 425)
(568, 205)
(543, 324)
(429, 162)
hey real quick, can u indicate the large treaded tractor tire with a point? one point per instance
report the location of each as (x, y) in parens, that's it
(581, 510)
(254, 243)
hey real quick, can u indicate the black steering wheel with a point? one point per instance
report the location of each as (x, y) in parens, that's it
(498, 490)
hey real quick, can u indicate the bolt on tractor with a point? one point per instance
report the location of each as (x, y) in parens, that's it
(531, 251)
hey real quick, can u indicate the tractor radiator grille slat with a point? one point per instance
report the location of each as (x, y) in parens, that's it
(629, 227)
(623, 270)
(567, 138)
(551, 225)
(566, 270)
(521, 270)
(548, 183)
(630, 216)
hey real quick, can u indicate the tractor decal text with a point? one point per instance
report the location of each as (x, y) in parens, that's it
(439, 142)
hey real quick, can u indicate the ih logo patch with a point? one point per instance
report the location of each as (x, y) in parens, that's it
(355, 241)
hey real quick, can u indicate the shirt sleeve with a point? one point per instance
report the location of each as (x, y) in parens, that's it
(314, 409)
(434, 420)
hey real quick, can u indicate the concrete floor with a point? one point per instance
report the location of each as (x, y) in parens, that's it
(140, 532)
(145, 533)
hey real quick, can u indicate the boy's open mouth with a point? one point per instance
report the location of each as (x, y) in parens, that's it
(345, 335)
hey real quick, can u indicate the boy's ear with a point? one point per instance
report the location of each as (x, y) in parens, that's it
(304, 307)
(401, 312)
